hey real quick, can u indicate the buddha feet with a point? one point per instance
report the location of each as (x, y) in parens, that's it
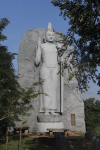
(52, 113)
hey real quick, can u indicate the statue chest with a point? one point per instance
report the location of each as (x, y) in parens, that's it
(49, 54)
(49, 49)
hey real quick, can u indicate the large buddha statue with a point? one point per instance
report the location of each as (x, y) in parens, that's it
(48, 71)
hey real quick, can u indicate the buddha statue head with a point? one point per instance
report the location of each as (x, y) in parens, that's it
(50, 34)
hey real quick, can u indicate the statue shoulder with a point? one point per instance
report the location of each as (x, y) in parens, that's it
(55, 45)
(43, 44)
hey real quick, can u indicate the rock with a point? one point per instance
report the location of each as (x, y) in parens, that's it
(28, 73)
(61, 141)
(89, 135)
(96, 140)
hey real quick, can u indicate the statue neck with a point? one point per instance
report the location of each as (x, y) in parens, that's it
(49, 42)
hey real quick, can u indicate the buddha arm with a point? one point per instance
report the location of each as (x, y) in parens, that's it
(59, 59)
(38, 55)
(59, 45)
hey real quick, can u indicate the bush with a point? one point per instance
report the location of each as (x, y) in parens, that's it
(92, 110)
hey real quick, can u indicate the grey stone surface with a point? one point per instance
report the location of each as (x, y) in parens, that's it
(28, 73)
(50, 118)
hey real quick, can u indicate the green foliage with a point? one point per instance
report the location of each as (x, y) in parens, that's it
(14, 100)
(96, 130)
(3, 23)
(8, 82)
(80, 133)
(84, 16)
(98, 82)
(92, 110)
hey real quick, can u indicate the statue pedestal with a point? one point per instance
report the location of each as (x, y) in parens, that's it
(50, 121)
(42, 127)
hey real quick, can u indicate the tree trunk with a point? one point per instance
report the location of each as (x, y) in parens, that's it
(6, 138)
(20, 138)
(20, 135)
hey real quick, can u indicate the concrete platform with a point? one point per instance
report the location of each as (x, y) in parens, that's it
(42, 127)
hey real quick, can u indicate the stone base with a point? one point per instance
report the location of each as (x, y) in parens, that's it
(42, 127)
(48, 119)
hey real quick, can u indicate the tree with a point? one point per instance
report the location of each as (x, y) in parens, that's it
(13, 98)
(10, 90)
(6, 71)
(92, 110)
(98, 82)
(84, 18)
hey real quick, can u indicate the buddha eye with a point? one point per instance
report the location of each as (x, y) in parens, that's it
(49, 34)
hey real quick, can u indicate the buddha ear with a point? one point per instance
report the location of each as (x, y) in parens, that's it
(44, 39)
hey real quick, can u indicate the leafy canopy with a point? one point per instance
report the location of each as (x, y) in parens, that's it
(84, 18)
(92, 110)
(13, 98)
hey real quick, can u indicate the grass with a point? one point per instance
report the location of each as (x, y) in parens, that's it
(83, 134)
(30, 143)
(26, 142)
(80, 133)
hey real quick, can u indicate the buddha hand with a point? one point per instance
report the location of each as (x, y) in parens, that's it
(59, 45)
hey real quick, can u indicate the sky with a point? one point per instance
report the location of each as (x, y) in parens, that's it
(33, 14)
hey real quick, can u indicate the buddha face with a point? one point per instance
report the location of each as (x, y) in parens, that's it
(50, 36)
